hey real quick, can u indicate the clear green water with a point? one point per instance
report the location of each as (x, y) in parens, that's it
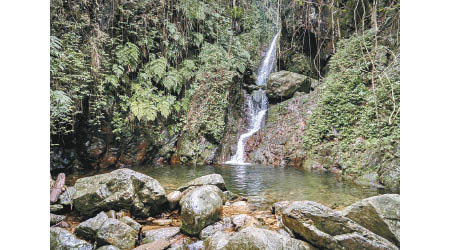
(262, 185)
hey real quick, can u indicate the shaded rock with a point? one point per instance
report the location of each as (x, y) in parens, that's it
(155, 245)
(88, 228)
(66, 197)
(61, 239)
(242, 221)
(130, 222)
(217, 241)
(160, 234)
(380, 214)
(284, 84)
(56, 208)
(108, 247)
(229, 196)
(117, 233)
(254, 238)
(174, 199)
(96, 148)
(199, 208)
(54, 218)
(119, 189)
(328, 229)
(218, 226)
(211, 179)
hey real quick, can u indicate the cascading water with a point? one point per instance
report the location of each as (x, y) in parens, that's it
(257, 103)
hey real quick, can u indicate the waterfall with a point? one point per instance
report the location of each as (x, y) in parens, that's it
(257, 103)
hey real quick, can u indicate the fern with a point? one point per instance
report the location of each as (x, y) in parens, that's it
(173, 81)
(128, 55)
(157, 68)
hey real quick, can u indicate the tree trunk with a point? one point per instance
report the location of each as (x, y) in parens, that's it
(57, 189)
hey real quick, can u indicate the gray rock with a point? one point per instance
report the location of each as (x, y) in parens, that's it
(196, 246)
(54, 219)
(88, 228)
(218, 226)
(174, 199)
(162, 222)
(56, 208)
(119, 189)
(160, 234)
(155, 245)
(284, 84)
(243, 221)
(108, 247)
(130, 222)
(61, 239)
(199, 208)
(380, 214)
(66, 197)
(325, 228)
(228, 195)
(117, 233)
(254, 238)
(211, 179)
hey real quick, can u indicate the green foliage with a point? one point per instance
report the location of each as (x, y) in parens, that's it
(61, 107)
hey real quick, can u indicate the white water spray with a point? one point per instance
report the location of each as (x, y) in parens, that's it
(257, 108)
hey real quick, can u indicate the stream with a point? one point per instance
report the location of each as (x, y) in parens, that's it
(262, 185)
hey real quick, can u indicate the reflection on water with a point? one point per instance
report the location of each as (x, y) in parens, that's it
(263, 185)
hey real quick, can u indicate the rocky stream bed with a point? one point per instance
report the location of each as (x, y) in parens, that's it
(125, 209)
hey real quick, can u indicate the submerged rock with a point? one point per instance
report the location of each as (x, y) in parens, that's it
(284, 84)
(160, 234)
(117, 233)
(61, 239)
(211, 179)
(119, 189)
(380, 214)
(88, 228)
(328, 229)
(199, 208)
(254, 238)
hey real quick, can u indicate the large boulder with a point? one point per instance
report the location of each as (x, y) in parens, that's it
(117, 233)
(211, 179)
(380, 214)
(119, 189)
(174, 199)
(160, 234)
(283, 84)
(61, 239)
(199, 208)
(325, 228)
(88, 228)
(254, 238)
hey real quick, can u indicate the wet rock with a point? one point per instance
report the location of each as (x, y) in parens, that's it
(61, 239)
(117, 233)
(160, 234)
(130, 222)
(283, 84)
(211, 179)
(229, 196)
(242, 221)
(174, 199)
(277, 207)
(108, 247)
(199, 208)
(54, 219)
(162, 222)
(88, 228)
(380, 214)
(240, 207)
(119, 189)
(56, 208)
(328, 229)
(155, 245)
(66, 197)
(218, 226)
(217, 241)
(254, 238)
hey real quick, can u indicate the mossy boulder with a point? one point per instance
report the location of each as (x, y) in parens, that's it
(119, 189)
(327, 229)
(61, 239)
(88, 228)
(283, 84)
(380, 214)
(117, 233)
(200, 207)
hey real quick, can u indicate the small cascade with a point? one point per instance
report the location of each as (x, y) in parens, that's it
(257, 104)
